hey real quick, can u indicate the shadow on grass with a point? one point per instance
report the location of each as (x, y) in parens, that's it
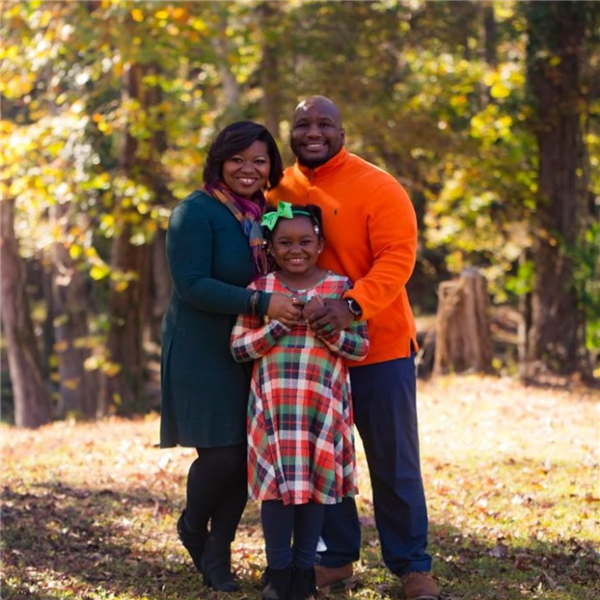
(65, 542)
(87, 543)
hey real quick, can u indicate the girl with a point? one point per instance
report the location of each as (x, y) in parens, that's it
(300, 439)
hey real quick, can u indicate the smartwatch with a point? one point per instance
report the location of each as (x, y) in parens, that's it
(354, 307)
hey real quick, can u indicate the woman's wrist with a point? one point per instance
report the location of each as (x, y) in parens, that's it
(264, 300)
(253, 302)
(258, 303)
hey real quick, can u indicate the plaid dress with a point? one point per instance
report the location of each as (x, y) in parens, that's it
(300, 437)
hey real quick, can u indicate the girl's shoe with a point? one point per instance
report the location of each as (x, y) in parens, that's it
(277, 584)
(303, 584)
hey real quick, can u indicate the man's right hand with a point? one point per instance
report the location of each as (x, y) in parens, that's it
(328, 316)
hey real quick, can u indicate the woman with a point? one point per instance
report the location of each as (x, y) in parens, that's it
(214, 249)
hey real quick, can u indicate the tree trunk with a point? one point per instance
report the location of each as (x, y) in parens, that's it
(463, 340)
(489, 50)
(270, 15)
(71, 302)
(232, 101)
(523, 328)
(132, 266)
(123, 380)
(490, 34)
(161, 284)
(556, 33)
(31, 397)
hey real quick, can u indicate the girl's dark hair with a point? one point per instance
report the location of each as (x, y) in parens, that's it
(314, 213)
(235, 138)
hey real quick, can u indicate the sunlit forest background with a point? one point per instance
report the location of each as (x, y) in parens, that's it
(487, 112)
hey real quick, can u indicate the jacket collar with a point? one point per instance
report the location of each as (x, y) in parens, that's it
(331, 166)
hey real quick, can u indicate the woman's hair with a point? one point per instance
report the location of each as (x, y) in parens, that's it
(314, 213)
(235, 138)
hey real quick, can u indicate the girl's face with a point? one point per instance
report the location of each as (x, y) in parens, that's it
(248, 171)
(295, 246)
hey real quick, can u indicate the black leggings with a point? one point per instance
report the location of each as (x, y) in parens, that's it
(280, 522)
(217, 491)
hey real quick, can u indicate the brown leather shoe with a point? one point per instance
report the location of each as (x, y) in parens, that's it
(329, 578)
(420, 585)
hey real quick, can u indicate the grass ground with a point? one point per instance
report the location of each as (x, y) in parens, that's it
(512, 478)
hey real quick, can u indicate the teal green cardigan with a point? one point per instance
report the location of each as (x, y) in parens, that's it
(204, 391)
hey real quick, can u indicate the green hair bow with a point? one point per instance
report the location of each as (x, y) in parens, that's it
(284, 209)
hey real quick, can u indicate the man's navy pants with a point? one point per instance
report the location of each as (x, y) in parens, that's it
(385, 413)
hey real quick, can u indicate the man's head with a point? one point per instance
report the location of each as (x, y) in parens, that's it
(317, 133)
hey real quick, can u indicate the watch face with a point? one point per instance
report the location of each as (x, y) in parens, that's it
(354, 307)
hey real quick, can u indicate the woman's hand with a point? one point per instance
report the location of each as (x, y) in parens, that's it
(285, 309)
(313, 304)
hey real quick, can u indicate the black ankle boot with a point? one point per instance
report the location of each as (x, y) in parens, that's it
(277, 584)
(192, 541)
(216, 566)
(303, 584)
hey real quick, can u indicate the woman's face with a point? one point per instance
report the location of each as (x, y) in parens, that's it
(247, 171)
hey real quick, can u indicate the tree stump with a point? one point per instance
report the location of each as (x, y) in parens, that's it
(463, 339)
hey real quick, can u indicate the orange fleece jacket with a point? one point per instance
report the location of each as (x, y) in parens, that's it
(370, 231)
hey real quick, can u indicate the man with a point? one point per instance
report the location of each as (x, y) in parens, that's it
(371, 237)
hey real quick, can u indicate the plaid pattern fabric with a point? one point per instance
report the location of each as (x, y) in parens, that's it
(300, 437)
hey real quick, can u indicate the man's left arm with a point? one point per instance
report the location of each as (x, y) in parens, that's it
(392, 231)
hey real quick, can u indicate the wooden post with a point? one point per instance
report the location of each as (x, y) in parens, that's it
(463, 338)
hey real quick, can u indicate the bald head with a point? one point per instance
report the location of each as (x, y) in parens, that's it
(321, 103)
(317, 133)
